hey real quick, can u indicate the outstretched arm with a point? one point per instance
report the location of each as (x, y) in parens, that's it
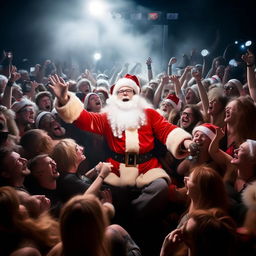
(7, 95)
(60, 89)
(202, 91)
(249, 59)
(170, 63)
(149, 67)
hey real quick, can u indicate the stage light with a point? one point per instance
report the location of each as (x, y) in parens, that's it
(172, 16)
(248, 43)
(205, 52)
(236, 42)
(97, 56)
(154, 16)
(97, 8)
(233, 63)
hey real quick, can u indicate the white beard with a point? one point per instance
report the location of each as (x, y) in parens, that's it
(126, 115)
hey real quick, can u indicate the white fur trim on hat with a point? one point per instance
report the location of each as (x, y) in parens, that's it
(40, 116)
(126, 82)
(204, 130)
(249, 196)
(18, 105)
(252, 147)
(195, 89)
(237, 83)
(174, 105)
(86, 100)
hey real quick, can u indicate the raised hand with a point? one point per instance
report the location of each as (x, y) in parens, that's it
(248, 58)
(149, 61)
(172, 61)
(60, 88)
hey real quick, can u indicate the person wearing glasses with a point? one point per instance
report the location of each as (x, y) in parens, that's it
(137, 180)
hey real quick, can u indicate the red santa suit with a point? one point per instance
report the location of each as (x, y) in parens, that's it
(132, 160)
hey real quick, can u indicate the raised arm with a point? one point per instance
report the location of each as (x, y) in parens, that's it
(170, 63)
(7, 95)
(159, 89)
(202, 91)
(177, 87)
(249, 59)
(149, 68)
(60, 89)
(218, 155)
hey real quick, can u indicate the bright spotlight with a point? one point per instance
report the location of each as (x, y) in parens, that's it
(97, 8)
(233, 63)
(248, 43)
(205, 52)
(236, 42)
(97, 56)
(242, 46)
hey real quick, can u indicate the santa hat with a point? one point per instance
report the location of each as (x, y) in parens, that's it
(102, 83)
(86, 100)
(40, 116)
(127, 81)
(18, 105)
(102, 90)
(195, 89)
(174, 101)
(237, 83)
(206, 128)
(252, 147)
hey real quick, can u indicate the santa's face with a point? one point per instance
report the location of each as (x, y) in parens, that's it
(125, 93)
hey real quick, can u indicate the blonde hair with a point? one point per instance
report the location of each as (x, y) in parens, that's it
(44, 231)
(64, 154)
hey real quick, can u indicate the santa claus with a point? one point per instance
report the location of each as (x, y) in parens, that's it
(130, 125)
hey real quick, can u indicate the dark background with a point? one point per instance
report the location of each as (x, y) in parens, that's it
(23, 31)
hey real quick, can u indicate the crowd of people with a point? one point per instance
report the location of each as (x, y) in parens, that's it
(128, 162)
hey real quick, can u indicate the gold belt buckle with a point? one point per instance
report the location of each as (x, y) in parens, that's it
(130, 159)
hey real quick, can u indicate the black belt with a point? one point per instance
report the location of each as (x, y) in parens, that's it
(132, 159)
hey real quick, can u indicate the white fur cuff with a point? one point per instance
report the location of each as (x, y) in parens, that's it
(72, 110)
(174, 139)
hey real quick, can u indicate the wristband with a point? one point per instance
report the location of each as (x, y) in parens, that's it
(102, 177)
(249, 65)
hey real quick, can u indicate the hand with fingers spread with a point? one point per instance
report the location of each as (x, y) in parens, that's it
(60, 88)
